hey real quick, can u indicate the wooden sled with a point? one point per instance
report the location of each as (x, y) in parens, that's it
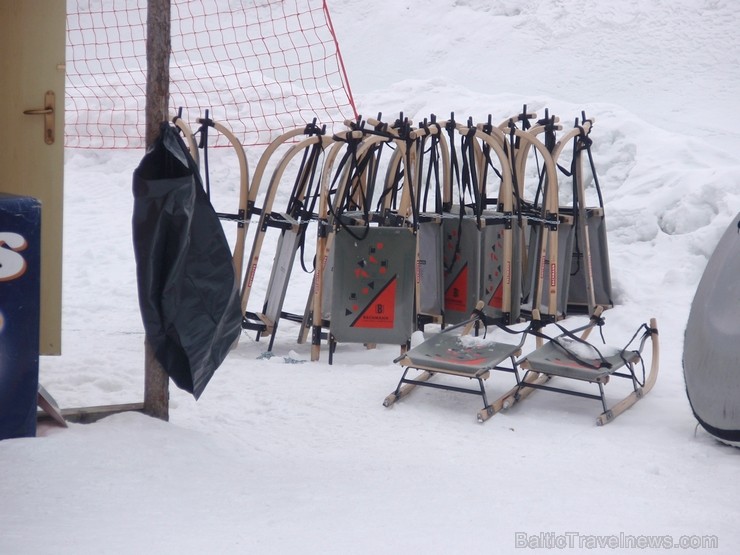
(290, 223)
(337, 185)
(572, 357)
(243, 211)
(446, 353)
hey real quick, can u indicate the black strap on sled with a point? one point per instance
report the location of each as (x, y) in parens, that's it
(394, 185)
(432, 182)
(391, 187)
(502, 323)
(456, 178)
(303, 210)
(303, 187)
(467, 180)
(582, 142)
(203, 132)
(603, 363)
(587, 144)
(487, 128)
(406, 136)
(470, 172)
(451, 127)
(647, 333)
(571, 334)
(203, 144)
(549, 122)
(354, 175)
(349, 157)
(511, 148)
(575, 175)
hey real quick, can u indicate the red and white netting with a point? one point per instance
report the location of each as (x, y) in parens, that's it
(259, 66)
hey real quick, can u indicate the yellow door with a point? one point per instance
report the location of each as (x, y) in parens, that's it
(32, 42)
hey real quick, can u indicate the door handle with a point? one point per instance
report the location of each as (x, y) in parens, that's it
(48, 112)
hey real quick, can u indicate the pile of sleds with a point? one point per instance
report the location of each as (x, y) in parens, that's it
(461, 230)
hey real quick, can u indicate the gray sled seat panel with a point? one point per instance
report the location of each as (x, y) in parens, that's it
(448, 354)
(554, 360)
(454, 352)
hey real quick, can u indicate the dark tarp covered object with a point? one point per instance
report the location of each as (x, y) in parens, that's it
(188, 293)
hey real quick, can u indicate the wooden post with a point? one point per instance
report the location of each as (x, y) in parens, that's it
(158, 66)
(156, 381)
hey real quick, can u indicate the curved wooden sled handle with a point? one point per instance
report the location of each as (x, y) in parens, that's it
(635, 396)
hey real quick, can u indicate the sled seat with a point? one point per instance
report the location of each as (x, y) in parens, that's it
(449, 354)
(455, 352)
(568, 356)
(553, 360)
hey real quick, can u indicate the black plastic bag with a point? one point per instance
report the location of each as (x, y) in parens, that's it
(188, 293)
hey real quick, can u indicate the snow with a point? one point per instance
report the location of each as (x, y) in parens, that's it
(286, 457)
(588, 352)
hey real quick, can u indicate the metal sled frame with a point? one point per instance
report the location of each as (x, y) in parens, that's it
(292, 225)
(544, 291)
(554, 359)
(574, 221)
(318, 299)
(187, 135)
(241, 216)
(263, 211)
(291, 228)
(432, 357)
(243, 212)
(431, 166)
(395, 211)
(493, 140)
(594, 275)
(420, 168)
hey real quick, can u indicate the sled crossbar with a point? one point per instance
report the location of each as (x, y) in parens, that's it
(228, 217)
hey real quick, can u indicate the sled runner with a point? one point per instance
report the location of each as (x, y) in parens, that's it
(544, 276)
(265, 208)
(455, 352)
(590, 274)
(246, 198)
(187, 135)
(584, 280)
(569, 356)
(290, 222)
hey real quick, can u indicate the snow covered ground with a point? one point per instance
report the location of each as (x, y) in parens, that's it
(285, 457)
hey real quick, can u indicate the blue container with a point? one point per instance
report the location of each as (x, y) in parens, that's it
(20, 257)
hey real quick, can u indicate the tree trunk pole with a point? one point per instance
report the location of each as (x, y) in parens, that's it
(156, 381)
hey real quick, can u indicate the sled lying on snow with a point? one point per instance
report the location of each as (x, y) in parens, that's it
(572, 357)
(567, 356)
(455, 352)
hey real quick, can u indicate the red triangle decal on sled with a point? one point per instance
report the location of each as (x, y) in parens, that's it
(380, 313)
(497, 299)
(456, 294)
